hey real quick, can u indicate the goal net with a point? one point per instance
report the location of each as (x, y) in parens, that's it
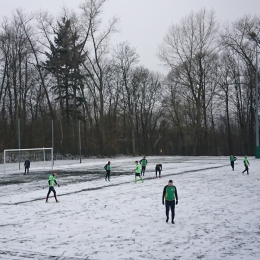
(40, 159)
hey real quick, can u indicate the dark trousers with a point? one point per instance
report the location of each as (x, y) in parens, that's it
(232, 165)
(246, 169)
(108, 174)
(26, 169)
(51, 189)
(158, 170)
(143, 170)
(168, 205)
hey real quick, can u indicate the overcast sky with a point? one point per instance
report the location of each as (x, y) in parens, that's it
(144, 23)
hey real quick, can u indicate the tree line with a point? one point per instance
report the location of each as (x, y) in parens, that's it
(65, 70)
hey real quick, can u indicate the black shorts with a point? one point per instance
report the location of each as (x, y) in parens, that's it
(137, 174)
(52, 189)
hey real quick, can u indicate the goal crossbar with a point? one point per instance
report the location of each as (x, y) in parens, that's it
(29, 149)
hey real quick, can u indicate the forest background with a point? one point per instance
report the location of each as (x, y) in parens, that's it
(63, 71)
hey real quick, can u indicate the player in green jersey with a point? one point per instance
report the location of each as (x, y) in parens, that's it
(107, 167)
(138, 171)
(246, 164)
(143, 163)
(52, 181)
(170, 195)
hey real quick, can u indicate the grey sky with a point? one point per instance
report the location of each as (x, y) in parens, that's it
(143, 23)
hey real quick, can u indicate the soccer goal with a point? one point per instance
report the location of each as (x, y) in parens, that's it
(40, 158)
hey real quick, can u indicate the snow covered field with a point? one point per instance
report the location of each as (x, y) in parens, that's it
(218, 215)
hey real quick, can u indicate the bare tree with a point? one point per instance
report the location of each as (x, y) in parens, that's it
(96, 49)
(190, 50)
(125, 59)
(235, 40)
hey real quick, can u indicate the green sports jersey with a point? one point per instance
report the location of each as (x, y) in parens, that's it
(52, 180)
(144, 162)
(170, 193)
(138, 168)
(246, 162)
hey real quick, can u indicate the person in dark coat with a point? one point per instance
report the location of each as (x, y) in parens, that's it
(26, 166)
(158, 168)
(232, 161)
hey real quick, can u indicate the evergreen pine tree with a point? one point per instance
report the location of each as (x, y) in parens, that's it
(64, 63)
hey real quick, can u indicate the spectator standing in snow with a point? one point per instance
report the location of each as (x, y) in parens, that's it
(158, 168)
(246, 163)
(143, 163)
(232, 161)
(170, 195)
(52, 181)
(138, 171)
(107, 167)
(26, 166)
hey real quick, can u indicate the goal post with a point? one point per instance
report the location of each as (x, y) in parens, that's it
(27, 153)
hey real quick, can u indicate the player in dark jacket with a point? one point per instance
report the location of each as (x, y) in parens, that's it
(107, 167)
(170, 195)
(143, 163)
(158, 168)
(26, 166)
(232, 161)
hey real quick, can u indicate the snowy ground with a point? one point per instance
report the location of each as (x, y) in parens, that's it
(218, 215)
